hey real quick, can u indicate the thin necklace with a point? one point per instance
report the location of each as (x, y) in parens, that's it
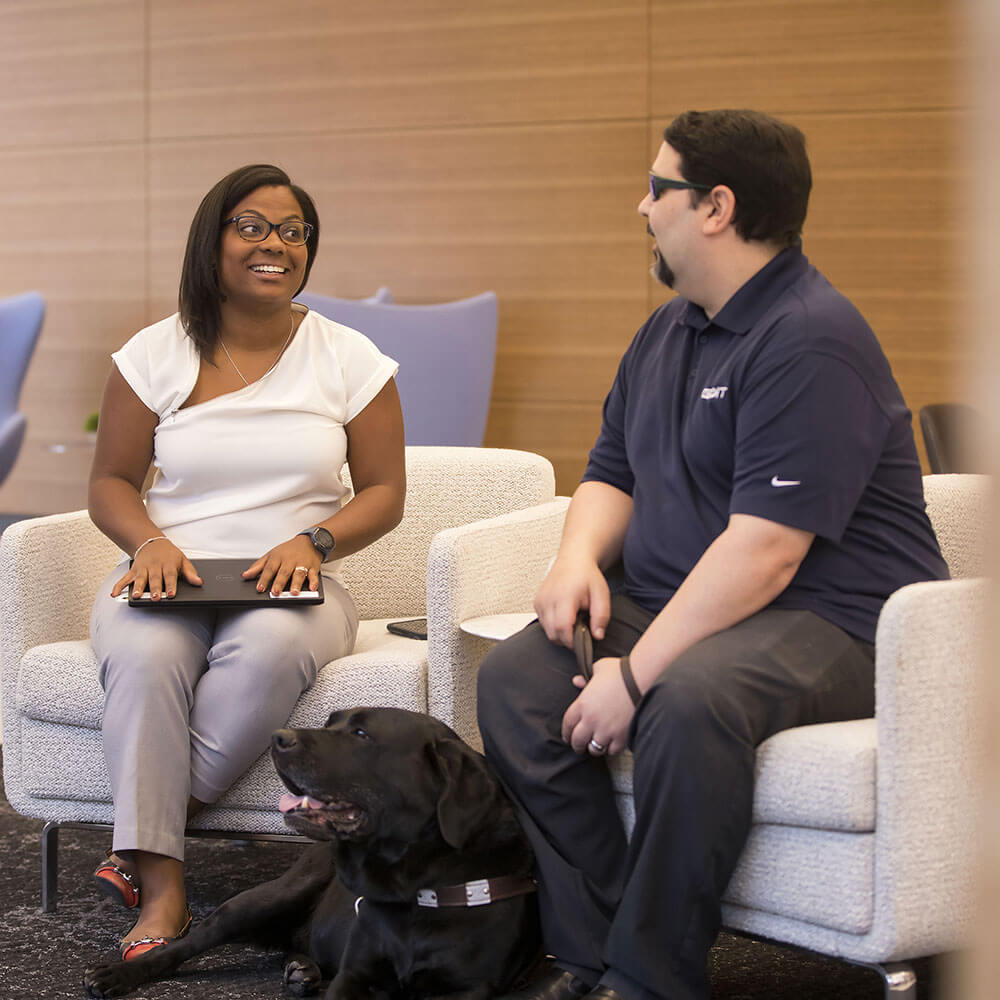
(276, 360)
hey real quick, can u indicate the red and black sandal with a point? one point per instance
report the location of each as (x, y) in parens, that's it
(133, 949)
(120, 885)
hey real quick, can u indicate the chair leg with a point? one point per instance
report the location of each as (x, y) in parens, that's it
(899, 978)
(50, 866)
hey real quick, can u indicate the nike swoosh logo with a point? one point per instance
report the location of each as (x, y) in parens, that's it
(775, 481)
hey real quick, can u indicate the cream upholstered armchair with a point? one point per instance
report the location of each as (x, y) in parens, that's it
(50, 567)
(863, 833)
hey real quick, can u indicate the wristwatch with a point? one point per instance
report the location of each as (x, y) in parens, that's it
(322, 539)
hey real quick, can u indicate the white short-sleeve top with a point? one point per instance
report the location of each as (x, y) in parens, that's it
(240, 473)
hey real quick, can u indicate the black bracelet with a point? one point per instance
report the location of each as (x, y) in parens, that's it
(630, 685)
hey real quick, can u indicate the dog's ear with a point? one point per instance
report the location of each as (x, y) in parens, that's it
(468, 793)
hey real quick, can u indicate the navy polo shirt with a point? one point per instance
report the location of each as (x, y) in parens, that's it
(783, 406)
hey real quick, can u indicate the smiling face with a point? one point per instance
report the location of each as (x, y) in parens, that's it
(253, 274)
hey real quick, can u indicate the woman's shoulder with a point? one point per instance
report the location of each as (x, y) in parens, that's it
(344, 342)
(164, 334)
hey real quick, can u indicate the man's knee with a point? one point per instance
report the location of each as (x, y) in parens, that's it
(495, 683)
(686, 708)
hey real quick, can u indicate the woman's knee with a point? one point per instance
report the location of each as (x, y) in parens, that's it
(152, 667)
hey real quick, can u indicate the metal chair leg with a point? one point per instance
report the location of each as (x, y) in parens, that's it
(50, 866)
(899, 978)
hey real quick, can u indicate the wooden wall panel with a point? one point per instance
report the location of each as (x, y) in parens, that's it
(788, 56)
(354, 65)
(72, 71)
(452, 148)
(81, 228)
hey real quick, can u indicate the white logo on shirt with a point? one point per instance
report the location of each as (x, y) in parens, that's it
(775, 481)
(714, 392)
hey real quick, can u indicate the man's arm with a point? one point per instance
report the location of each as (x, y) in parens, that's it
(741, 572)
(591, 542)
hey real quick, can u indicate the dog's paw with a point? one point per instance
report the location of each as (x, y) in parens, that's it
(302, 976)
(110, 979)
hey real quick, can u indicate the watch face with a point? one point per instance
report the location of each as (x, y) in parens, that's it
(323, 539)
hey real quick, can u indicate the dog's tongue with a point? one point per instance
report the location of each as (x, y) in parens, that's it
(288, 802)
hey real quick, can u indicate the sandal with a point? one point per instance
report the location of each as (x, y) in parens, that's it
(120, 885)
(133, 949)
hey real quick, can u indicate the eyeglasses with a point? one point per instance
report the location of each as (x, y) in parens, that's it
(657, 185)
(254, 229)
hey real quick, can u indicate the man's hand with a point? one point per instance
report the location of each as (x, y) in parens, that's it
(572, 584)
(602, 712)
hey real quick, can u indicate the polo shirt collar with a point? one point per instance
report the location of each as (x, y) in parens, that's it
(749, 303)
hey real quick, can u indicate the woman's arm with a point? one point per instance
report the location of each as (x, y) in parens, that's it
(377, 459)
(124, 450)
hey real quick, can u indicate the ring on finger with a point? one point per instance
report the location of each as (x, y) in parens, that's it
(597, 748)
(301, 569)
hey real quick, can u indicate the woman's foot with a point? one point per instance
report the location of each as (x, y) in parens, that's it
(165, 914)
(117, 879)
(149, 933)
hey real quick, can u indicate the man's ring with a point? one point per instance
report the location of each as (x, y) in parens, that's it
(598, 748)
(304, 569)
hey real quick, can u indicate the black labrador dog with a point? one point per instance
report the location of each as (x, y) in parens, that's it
(422, 883)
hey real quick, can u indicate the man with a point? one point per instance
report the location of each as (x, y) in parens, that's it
(756, 475)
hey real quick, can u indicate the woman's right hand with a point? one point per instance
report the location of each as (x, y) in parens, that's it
(156, 568)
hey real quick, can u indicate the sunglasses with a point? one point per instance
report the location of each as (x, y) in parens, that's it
(657, 185)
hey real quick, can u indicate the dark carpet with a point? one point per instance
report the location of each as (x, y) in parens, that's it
(44, 955)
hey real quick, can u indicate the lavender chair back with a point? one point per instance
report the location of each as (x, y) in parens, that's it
(20, 324)
(446, 354)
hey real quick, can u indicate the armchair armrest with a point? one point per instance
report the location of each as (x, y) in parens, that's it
(930, 656)
(484, 568)
(50, 568)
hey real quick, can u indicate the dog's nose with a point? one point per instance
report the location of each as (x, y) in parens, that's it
(283, 739)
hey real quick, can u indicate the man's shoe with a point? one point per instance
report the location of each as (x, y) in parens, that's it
(556, 984)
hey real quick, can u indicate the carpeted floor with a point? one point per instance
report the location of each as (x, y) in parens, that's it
(44, 955)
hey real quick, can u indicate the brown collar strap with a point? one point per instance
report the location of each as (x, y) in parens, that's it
(478, 893)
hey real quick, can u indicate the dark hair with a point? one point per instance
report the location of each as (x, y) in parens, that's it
(200, 293)
(762, 160)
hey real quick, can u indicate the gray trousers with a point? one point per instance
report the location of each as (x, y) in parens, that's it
(641, 916)
(192, 695)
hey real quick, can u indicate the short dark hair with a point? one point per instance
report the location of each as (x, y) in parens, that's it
(200, 293)
(761, 159)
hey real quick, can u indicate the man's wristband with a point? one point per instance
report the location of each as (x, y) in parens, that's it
(630, 685)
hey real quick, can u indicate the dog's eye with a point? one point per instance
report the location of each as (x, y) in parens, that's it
(362, 734)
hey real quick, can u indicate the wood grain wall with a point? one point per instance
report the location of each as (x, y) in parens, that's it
(454, 146)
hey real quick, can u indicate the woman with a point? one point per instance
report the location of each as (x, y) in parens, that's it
(248, 407)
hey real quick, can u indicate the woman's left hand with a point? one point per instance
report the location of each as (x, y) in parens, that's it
(291, 564)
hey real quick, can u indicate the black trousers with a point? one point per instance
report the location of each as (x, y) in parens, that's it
(641, 916)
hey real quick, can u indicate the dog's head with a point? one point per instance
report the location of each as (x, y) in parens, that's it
(383, 774)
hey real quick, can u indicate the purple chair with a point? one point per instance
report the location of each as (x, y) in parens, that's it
(446, 353)
(20, 324)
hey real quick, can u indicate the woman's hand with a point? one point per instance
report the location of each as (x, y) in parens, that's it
(156, 567)
(602, 712)
(296, 560)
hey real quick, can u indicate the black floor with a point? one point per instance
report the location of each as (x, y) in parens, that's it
(44, 955)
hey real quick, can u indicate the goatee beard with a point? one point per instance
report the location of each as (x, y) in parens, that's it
(660, 269)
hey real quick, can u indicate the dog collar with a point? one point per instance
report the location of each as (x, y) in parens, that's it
(478, 893)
